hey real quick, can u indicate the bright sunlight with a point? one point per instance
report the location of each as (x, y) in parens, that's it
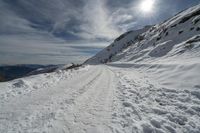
(146, 6)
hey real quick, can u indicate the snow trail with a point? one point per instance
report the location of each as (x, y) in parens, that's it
(80, 104)
(100, 99)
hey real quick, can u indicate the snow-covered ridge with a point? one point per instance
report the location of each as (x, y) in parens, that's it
(120, 43)
(157, 41)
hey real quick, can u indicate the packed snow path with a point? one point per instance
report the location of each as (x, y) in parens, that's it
(96, 99)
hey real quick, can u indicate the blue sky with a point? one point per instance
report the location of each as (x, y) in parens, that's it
(65, 31)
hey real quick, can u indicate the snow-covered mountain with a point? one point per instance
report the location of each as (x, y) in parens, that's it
(170, 47)
(120, 43)
(173, 37)
(146, 81)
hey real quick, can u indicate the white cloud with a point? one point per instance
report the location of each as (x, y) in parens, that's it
(96, 22)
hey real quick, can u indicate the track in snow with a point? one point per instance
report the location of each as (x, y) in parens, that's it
(100, 99)
(80, 104)
(145, 106)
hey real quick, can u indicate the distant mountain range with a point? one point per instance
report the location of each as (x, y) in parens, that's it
(17, 71)
(8, 73)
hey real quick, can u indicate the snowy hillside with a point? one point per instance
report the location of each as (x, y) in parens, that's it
(122, 42)
(146, 81)
(173, 37)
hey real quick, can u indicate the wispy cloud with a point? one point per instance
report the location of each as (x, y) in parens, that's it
(72, 20)
(96, 24)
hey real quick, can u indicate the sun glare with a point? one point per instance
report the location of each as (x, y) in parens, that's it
(147, 6)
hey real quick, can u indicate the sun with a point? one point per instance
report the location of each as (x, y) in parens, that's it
(146, 6)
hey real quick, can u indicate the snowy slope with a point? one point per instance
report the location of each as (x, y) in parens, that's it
(150, 84)
(122, 42)
(168, 56)
(166, 39)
